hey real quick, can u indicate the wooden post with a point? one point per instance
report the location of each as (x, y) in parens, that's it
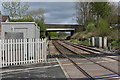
(11, 52)
(8, 52)
(0, 55)
(46, 49)
(16, 52)
(33, 51)
(40, 50)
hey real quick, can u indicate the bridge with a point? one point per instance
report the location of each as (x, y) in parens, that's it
(63, 28)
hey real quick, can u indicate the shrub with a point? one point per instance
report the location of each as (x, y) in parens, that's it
(103, 27)
(22, 20)
(90, 27)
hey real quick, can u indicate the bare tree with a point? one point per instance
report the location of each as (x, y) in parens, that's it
(36, 14)
(15, 9)
(82, 12)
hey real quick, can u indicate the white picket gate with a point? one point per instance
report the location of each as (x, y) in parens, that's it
(22, 51)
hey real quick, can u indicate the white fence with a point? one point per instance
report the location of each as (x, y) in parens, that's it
(22, 51)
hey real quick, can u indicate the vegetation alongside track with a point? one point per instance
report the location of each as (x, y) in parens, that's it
(98, 22)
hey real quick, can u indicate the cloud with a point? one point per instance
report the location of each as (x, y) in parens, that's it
(0, 5)
(56, 12)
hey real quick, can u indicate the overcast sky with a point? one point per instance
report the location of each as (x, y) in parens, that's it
(56, 12)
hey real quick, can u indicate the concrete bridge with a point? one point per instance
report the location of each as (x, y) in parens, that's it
(63, 27)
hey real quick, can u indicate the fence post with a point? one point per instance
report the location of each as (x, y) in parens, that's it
(40, 50)
(33, 52)
(0, 60)
(45, 49)
(0, 55)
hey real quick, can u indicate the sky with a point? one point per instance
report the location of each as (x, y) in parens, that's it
(56, 12)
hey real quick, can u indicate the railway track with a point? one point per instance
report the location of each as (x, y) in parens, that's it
(60, 47)
(90, 50)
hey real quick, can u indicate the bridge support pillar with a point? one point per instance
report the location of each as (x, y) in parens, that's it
(46, 33)
(72, 32)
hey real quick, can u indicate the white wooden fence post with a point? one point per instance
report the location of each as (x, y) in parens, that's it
(26, 49)
(8, 52)
(33, 51)
(0, 61)
(45, 49)
(16, 52)
(30, 50)
(19, 51)
(40, 50)
(3, 53)
(22, 51)
(0, 55)
(13, 51)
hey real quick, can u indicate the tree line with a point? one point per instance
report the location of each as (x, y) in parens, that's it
(87, 12)
(100, 19)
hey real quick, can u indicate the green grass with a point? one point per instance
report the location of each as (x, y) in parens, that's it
(115, 44)
(84, 42)
(80, 42)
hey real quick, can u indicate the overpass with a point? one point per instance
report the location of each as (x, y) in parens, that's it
(63, 27)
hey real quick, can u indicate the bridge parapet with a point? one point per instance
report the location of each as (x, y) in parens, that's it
(76, 28)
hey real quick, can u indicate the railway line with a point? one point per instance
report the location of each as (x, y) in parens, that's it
(91, 50)
(62, 47)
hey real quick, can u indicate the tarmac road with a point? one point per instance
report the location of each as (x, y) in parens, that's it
(41, 71)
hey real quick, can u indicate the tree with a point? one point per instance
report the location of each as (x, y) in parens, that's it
(38, 17)
(103, 27)
(100, 9)
(113, 16)
(0, 12)
(36, 14)
(15, 9)
(82, 12)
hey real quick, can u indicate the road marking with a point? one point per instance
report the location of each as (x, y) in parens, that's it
(66, 74)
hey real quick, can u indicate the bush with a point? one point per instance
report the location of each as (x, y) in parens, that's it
(22, 20)
(103, 27)
(115, 44)
(90, 27)
(53, 34)
(42, 28)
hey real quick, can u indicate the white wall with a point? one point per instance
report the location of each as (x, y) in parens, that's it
(29, 29)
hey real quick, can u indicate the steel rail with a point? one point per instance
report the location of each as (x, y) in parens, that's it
(90, 60)
(79, 47)
(78, 67)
